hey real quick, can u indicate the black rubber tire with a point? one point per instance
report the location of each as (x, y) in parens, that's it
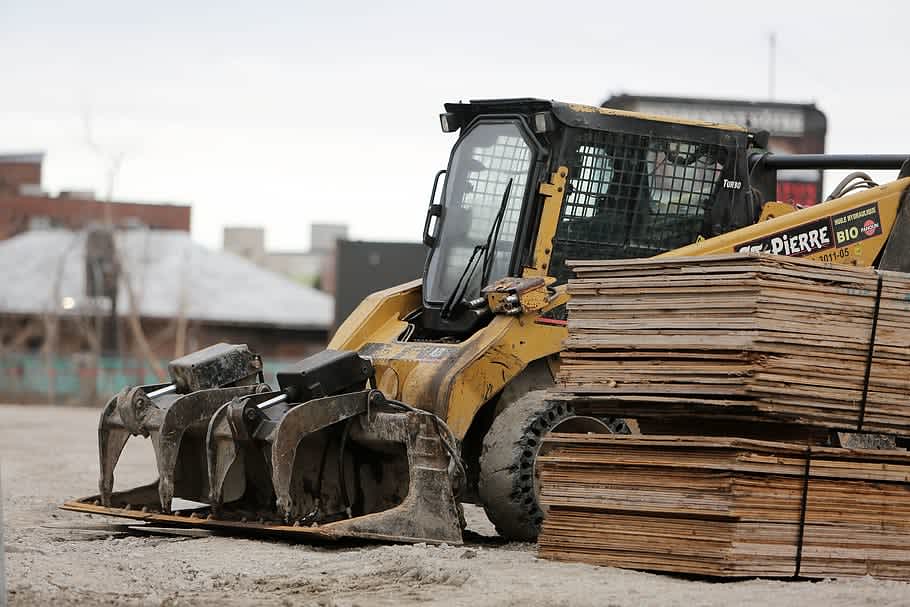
(507, 486)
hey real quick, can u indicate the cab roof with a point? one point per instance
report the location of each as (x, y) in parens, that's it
(582, 116)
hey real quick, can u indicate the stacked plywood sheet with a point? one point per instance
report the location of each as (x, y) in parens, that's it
(740, 337)
(725, 507)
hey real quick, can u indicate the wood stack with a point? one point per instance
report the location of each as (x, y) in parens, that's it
(743, 337)
(725, 507)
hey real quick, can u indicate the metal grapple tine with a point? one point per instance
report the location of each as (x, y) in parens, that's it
(304, 419)
(221, 450)
(191, 411)
(129, 413)
(112, 437)
(240, 430)
(429, 511)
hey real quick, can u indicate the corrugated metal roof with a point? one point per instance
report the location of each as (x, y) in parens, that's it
(167, 271)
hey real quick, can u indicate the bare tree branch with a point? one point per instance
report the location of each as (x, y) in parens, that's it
(132, 318)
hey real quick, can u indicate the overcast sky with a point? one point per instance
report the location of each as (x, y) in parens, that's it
(281, 113)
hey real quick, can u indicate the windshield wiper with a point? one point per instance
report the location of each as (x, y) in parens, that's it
(465, 277)
(486, 259)
(489, 252)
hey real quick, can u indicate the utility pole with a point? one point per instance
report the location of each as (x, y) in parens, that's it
(772, 59)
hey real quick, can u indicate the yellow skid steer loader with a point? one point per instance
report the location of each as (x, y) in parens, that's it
(432, 393)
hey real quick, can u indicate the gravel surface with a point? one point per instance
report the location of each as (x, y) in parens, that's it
(48, 455)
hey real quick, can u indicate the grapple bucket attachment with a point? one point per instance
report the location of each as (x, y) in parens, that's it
(350, 464)
(175, 417)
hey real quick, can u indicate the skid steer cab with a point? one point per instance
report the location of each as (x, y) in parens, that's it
(436, 392)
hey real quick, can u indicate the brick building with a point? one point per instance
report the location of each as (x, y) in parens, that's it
(23, 204)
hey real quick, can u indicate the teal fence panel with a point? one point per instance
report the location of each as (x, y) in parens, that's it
(71, 378)
(67, 378)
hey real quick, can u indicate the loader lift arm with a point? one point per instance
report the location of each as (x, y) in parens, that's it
(868, 228)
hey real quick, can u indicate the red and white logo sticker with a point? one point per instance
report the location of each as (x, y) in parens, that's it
(870, 227)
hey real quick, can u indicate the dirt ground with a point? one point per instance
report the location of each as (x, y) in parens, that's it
(48, 454)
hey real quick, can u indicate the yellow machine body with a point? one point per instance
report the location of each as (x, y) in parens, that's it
(455, 380)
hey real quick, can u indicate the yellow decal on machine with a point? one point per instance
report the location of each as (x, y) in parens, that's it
(822, 234)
